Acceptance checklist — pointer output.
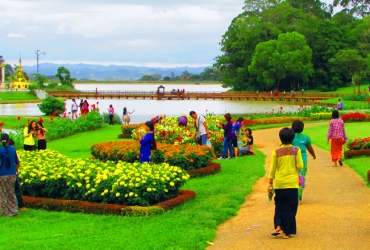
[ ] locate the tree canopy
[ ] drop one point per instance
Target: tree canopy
(265, 20)
(64, 76)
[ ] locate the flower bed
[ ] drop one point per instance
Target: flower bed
(358, 143)
(209, 170)
(356, 116)
(182, 155)
(49, 174)
(113, 209)
(356, 153)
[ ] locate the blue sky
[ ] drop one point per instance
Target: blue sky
(159, 33)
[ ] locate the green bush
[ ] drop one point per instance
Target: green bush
(127, 129)
(52, 105)
(356, 97)
(116, 118)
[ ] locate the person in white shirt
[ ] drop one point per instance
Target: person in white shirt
(74, 109)
(202, 132)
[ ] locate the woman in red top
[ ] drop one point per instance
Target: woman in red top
(337, 135)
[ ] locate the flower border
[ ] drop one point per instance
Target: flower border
(356, 153)
(110, 209)
(209, 170)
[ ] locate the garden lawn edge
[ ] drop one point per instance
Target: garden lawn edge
(111, 209)
(209, 170)
(125, 136)
(356, 153)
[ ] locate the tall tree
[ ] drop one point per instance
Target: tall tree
(64, 76)
(353, 63)
(274, 60)
(358, 7)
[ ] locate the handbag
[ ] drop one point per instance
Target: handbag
(300, 177)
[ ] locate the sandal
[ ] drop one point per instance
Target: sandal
(276, 233)
(340, 162)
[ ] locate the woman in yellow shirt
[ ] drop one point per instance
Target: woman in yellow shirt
(286, 161)
(29, 134)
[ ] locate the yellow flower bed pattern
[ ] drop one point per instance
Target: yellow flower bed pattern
(49, 174)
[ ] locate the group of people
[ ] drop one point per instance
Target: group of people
(34, 130)
(10, 189)
(288, 168)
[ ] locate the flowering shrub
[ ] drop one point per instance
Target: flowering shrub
(127, 129)
(356, 116)
(321, 116)
(49, 174)
(275, 120)
(185, 156)
(358, 143)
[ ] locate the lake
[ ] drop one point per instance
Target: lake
(147, 109)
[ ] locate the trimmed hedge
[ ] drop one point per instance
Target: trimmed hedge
(356, 153)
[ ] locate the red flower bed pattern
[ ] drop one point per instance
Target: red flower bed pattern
(356, 116)
(112, 209)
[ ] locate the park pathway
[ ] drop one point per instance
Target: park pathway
(335, 213)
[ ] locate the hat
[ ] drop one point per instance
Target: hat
(4, 137)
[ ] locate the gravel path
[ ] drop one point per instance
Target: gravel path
(335, 213)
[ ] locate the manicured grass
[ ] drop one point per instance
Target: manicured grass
(188, 226)
(78, 145)
(16, 96)
(353, 130)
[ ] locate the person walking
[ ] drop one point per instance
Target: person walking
(111, 113)
(146, 142)
(74, 109)
(286, 161)
(340, 105)
(229, 135)
(337, 137)
(202, 131)
(304, 143)
(9, 160)
(41, 131)
(30, 134)
(126, 116)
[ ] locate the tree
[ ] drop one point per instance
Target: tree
(52, 105)
(185, 75)
(352, 62)
(358, 7)
(166, 78)
(40, 79)
(274, 60)
(147, 78)
(157, 77)
(64, 76)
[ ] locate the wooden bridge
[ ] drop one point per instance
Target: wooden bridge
(153, 95)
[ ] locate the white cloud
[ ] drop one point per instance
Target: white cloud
(15, 35)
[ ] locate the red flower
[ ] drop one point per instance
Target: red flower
(28, 121)
(18, 118)
(1, 124)
(41, 120)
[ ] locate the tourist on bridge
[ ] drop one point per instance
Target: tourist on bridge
(304, 143)
(202, 132)
(337, 137)
(285, 162)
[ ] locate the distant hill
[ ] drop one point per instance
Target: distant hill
(108, 73)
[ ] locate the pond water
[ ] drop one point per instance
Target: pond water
(146, 109)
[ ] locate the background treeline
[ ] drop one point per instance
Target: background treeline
(263, 47)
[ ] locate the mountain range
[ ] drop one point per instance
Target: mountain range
(108, 73)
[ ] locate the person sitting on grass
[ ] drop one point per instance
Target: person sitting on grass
(247, 147)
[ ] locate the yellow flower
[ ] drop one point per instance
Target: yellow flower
(118, 194)
(105, 191)
(79, 184)
(131, 194)
(87, 186)
(172, 184)
(149, 189)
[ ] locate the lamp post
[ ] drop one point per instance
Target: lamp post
(38, 54)
(2, 70)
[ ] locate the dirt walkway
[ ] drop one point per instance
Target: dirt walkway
(335, 213)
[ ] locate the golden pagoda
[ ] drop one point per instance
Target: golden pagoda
(20, 80)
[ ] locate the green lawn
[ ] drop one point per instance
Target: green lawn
(188, 226)
(16, 96)
(353, 130)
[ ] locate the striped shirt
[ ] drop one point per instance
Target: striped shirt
(336, 129)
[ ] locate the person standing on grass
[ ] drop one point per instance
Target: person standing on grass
(17, 188)
(146, 142)
(41, 131)
(81, 102)
(337, 136)
(340, 105)
(74, 109)
(9, 160)
(202, 131)
(229, 135)
(111, 113)
(304, 143)
(286, 161)
(237, 143)
(30, 134)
